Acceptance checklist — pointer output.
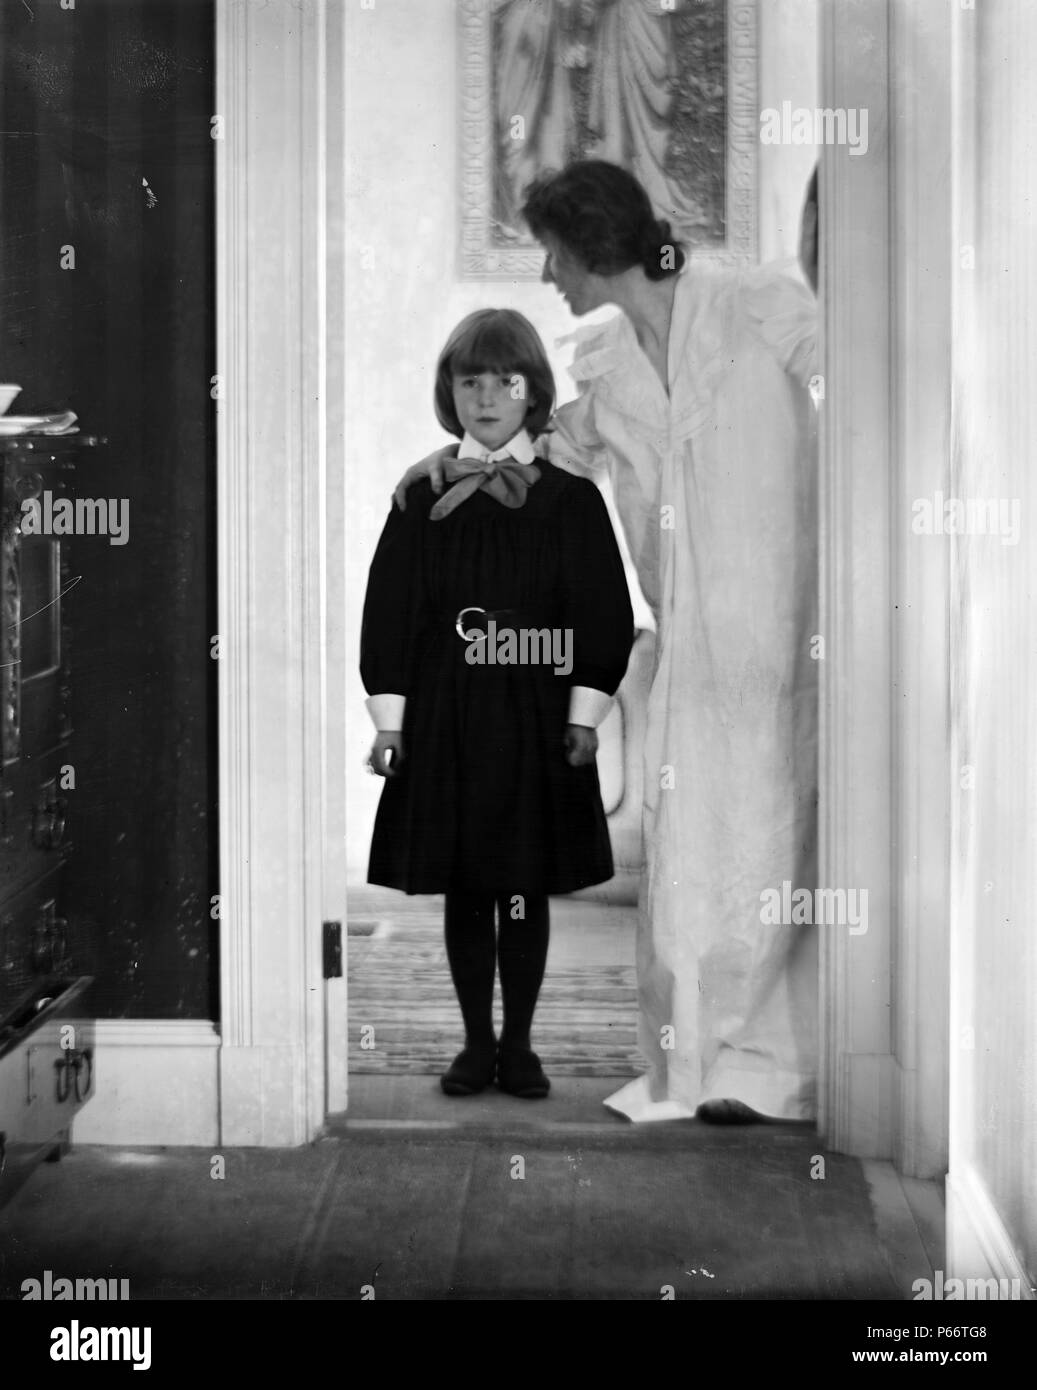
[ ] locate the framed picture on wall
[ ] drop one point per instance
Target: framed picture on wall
(666, 88)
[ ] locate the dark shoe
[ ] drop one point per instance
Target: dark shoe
(727, 1112)
(471, 1071)
(520, 1074)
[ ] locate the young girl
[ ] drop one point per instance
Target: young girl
(497, 626)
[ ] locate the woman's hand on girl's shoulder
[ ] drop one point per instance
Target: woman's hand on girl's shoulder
(430, 467)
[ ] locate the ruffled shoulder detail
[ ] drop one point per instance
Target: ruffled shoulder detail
(781, 310)
(598, 348)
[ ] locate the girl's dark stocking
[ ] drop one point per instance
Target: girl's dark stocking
(471, 952)
(522, 956)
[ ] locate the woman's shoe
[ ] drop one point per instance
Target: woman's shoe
(727, 1112)
(520, 1074)
(471, 1071)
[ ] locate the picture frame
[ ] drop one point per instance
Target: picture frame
(714, 179)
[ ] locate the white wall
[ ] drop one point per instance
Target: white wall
(992, 1197)
(787, 72)
(403, 293)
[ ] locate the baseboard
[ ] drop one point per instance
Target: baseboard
(920, 1126)
(856, 1110)
(978, 1243)
(156, 1083)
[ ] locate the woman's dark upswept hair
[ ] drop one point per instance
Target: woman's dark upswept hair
(602, 215)
(502, 341)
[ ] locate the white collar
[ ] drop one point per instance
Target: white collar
(519, 448)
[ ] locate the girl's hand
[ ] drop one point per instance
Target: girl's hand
(431, 468)
(386, 754)
(581, 744)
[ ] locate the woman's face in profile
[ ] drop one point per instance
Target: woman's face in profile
(580, 289)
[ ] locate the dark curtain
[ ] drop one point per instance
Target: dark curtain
(106, 148)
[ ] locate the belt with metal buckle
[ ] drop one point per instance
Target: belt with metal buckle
(503, 617)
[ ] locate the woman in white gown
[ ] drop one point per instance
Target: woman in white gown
(695, 399)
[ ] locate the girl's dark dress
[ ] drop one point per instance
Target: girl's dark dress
(484, 799)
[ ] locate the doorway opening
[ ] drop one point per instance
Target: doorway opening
(405, 1024)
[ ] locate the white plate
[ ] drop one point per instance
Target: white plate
(63, 423)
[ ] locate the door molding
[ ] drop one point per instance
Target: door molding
(885, 788)
(271, 538)
(922, 231)
(855, 749)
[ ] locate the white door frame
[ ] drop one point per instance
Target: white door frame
(280, 677)
(885, 784)
(281, 507)
(924, 256)
(855, 746)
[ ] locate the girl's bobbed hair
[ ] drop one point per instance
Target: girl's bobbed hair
(603, 216)
(502, 341)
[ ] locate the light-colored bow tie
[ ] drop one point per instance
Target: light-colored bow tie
(498, 474)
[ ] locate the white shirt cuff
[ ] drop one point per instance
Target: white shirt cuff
(387, 712)
(588, 706)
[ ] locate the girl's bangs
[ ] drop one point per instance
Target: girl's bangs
(488, 347)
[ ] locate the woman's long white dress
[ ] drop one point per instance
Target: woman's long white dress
(716, 489)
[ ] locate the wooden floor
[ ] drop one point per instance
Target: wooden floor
(400, 989)
(712, 1214)
(423, 1196)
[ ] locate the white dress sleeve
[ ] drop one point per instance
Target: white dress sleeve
(782, 312)
(572, 441)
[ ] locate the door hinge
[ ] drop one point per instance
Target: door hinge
(332, 950)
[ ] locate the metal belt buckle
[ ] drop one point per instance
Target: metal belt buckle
(475, 634)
